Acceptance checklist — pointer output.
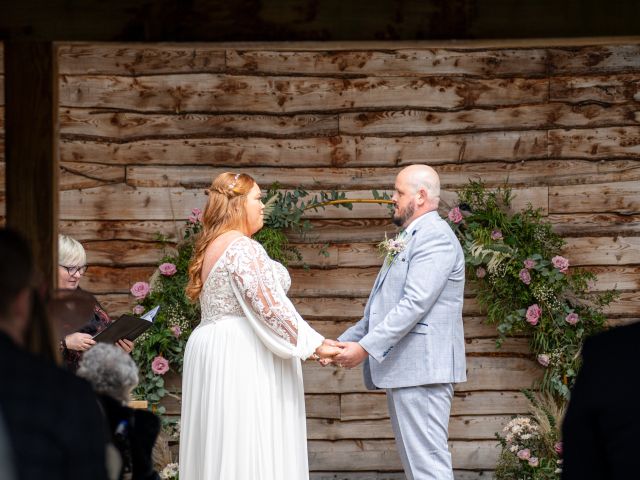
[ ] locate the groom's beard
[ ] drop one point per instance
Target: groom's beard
(401, 217)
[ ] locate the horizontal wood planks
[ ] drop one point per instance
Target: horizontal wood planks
(144, 129)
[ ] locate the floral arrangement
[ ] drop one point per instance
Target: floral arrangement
(531, 448)
(161, 347)
(525, 284)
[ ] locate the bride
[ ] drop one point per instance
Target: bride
(243, 415)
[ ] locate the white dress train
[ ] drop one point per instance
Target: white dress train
(243, 415)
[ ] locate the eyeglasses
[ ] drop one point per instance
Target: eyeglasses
(73, 270)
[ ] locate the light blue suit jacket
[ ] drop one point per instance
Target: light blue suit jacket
(412, 324)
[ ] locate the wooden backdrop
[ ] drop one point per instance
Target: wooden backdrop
(144, 128)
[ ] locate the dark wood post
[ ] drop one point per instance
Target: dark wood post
(31, 143)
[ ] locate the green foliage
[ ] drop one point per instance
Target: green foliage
(497, 242)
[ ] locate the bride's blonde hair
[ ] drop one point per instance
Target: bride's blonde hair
(225, 211)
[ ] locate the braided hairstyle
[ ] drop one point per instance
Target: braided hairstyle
(225, 211)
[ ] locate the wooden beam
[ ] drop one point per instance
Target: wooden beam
(32, 148)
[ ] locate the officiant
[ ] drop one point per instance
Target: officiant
(72, 265)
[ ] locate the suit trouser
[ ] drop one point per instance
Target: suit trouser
(420, 420)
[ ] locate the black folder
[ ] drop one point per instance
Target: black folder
(127, 326)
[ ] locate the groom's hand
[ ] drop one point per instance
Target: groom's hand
(352, 355)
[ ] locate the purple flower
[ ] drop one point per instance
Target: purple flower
(525, 276)
(196, 215)
(496, 234)
(572, 318)
(560, 263)
(167, 269)
(543, 359)
(524, 454)
(138, 309)
(160, 365)
(140, 290)
(480, 272)
(533, 461)
(533, 314)
(529, 263)
(455, 215)
(558, 448)
(176, 331)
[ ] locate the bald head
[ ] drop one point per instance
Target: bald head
(417, 191)
(423, 177)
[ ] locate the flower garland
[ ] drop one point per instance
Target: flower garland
(525, 284)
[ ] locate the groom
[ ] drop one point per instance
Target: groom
(411, 338)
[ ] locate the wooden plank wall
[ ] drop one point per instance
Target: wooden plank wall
(145, 128)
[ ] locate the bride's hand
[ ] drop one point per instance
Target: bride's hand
(327, 351)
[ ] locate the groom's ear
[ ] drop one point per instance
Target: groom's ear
(422, 196)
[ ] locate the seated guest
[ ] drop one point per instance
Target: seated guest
(52, 418)
(72, 265)
(600, 427)
(114, 375)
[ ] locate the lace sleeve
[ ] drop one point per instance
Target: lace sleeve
(271, 313)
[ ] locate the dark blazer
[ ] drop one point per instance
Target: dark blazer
(601, 427)
(53, 420)
(134, 434)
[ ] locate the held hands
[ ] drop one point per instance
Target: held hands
(351, 355)
(342, 354)
(327, 351)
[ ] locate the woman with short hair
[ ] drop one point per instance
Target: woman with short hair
(72, 265)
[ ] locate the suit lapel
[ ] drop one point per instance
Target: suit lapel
(387, 265)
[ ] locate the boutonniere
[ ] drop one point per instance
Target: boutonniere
(390, 247)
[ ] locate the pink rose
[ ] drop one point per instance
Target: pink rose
(525, 276)
(529, 263)
(455, 215)
(176, 331)
(533, 314)
(140, 290)
(572, 318)
(524, 454)
(196, 215)
(138, 309)
(480, 272)
(533, 461)
(496, 234)
(560, 263)
(167, 269)
(543, 359)
(160, 365)
(558, 448)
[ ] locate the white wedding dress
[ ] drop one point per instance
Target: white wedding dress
(243, 415)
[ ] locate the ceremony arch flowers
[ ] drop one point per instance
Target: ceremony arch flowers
(526, 287)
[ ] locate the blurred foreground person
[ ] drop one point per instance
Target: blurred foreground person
(600, 428)
(114, 375)
(52, 418)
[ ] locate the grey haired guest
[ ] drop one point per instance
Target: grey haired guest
(110, 371)
(114, 374)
